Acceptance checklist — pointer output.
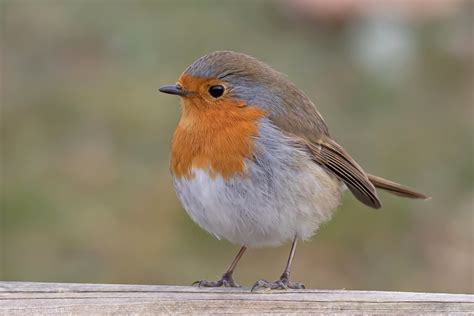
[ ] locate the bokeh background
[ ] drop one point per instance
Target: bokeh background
(86, 194)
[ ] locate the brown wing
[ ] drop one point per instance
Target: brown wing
(335, 159)
(304, 121)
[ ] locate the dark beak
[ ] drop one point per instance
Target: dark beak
(174, 89)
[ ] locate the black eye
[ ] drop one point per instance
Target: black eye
(216, 91)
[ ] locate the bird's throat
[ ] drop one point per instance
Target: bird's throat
(214, 138)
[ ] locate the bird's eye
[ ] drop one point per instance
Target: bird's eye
(216, 91)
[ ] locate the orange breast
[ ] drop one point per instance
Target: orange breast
(215, 137)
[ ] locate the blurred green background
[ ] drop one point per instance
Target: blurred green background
(86, 194)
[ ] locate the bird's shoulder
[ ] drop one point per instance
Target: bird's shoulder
(293, 112)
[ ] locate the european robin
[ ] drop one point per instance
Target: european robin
(253, 162)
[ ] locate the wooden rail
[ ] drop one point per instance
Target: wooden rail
(24, 298)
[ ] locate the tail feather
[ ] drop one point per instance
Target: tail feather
(395, 188)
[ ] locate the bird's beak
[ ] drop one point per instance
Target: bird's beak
(174, 89)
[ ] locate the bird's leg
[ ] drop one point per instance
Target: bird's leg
(284, 282)
(226, 280)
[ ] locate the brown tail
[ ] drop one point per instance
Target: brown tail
(395, 188)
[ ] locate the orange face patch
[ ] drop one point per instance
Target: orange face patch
(213, 133)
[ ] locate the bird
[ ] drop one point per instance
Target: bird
(253, 162)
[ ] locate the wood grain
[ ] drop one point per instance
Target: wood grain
(21, 298)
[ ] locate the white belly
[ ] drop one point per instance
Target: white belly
(262, 209)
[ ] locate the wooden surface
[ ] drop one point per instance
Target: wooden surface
(57, 298)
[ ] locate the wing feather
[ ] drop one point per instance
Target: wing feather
(335, 159)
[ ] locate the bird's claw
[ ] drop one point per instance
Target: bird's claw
(281, 284)
(225, 281)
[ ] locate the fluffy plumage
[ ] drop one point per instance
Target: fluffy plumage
(283, 194)
(257, 166)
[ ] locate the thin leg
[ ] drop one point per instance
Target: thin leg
(286, 273)
(284, 282)
(239, 255)
(226, 280)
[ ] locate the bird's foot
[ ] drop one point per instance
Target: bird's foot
(225, 281)
(282, 284)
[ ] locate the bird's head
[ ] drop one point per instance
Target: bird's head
(229, 80)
